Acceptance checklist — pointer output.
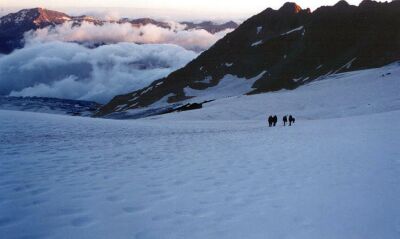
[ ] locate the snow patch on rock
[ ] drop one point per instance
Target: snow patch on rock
(228, 86)
(257, 43)
(259, 29)
(293, 30)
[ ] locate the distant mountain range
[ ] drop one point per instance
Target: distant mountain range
(14, 25)
(49, 105)
(278, 49)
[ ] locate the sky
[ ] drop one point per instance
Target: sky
(207, 8)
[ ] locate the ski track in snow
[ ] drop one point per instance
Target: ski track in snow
(72, 177)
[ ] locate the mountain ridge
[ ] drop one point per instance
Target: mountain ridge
(14, 25)
(292, 45)
(49, 105)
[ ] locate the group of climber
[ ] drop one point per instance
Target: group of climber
(272, 120)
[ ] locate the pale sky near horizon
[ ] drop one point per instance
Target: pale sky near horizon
(208, 7)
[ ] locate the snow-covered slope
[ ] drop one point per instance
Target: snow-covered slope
(73, 177)
(338, 95)
(218, 172)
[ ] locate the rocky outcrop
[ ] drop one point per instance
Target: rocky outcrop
(210, 26)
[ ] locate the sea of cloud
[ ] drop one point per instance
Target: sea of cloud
(111, 33)
(72, 71)
(62, 62)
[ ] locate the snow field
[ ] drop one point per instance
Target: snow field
(218, 172)
(334, 96)
(66, 177)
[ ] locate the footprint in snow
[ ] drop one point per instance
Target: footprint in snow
(7, 221)
(39, 191)
(146, 235)
(113, 198)
(134, 209)
(81, 221)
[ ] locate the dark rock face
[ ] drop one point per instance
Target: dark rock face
(294, 46)
(290, 8)
(187, 107)
(14, 25)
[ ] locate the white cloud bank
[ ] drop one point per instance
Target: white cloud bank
(56, 62)
(111, 33)
(72, 71)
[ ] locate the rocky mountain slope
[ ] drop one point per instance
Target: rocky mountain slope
(279, 49)
(14, 25)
